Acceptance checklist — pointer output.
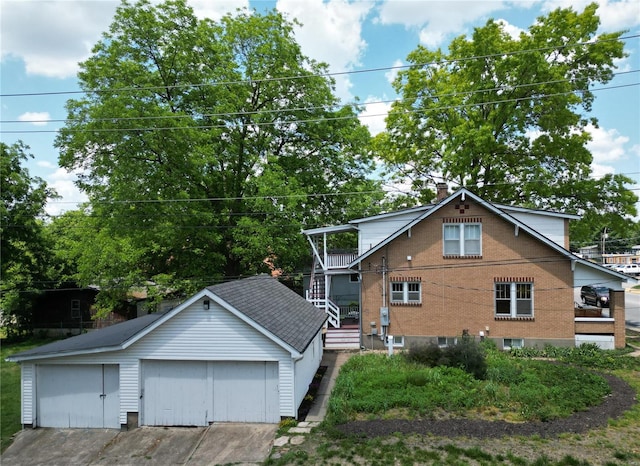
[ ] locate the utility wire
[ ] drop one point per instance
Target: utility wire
(330, 75)
(228, 125)
(300, 109)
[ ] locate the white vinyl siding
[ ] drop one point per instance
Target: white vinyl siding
(28, 381)
(194, 335)
(370, 234)
(462, 239)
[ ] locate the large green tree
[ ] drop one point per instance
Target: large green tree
(25, 254)
(206, 146)
(508, 117)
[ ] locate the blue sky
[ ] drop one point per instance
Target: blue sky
(41, 43)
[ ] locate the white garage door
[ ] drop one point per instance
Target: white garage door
(175, 393)
(78, 395)
(195, 393)
(246, 392)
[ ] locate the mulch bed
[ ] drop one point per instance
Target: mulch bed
(621, 399)
(310, 397)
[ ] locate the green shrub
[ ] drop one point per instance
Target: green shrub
(468, 355)
(428, 355)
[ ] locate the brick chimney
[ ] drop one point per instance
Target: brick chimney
(442, 191)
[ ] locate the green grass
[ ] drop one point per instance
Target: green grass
(10, 389)
(375, 386)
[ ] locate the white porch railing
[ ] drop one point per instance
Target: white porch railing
(340, 260)
(328, 306)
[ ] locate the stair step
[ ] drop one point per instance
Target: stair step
(342, 339)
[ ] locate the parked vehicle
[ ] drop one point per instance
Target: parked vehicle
(629, 269)
(595, 295)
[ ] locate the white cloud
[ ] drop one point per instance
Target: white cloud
(331, 33)
(374, 114)
(513, 31)
(392, 74)
(52, 37)
(606, 145)
(36, 118)
(438, 19)
(63, 182)
(216, 9)
(614, 15)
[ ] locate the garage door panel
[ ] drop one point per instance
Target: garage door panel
(245, 392)
(73, 396)
(175, 393)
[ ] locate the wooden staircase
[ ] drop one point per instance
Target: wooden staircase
(345, 337)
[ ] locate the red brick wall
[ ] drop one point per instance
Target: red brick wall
(457, 293)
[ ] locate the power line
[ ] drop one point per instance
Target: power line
(227, 125)
(330, 75)
(115, 119)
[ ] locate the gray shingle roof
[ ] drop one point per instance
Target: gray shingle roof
(274, 307)
(108, 337)
(262, 299)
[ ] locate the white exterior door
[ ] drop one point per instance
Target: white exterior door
(175, 393)
(78, 395)
(246, 392)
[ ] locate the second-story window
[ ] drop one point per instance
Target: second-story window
(462, 239)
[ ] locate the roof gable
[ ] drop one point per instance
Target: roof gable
(463, 193)
(274, 307)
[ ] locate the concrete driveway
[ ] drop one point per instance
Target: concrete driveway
(217, 444)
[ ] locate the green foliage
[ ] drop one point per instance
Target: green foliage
(375, 384)
(466, 354)
(201, 157)
(24, 249)
(506, 116)
(587, 355)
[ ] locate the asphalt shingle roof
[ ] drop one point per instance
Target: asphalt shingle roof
(112, 336)
(274, 307)
(262, 299)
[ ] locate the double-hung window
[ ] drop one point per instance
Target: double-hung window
(406, 292)
(75, 308)
(514, 299)
(462, 239)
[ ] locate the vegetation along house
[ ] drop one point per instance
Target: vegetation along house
(243, 351)
(462, 266)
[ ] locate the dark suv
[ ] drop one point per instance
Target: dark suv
(595, 295)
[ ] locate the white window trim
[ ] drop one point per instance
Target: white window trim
(461, 239)
(398, 341)
(513, 300)
(448, 341)
(405, 292)
(511, 341)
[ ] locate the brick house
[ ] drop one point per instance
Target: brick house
(466, 266)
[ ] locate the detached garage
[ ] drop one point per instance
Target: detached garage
(242, 351)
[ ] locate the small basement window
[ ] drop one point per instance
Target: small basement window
(443, 342)
(510, 343)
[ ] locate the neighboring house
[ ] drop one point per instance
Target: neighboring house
(242, 351)
(466, 266)
(69, 310)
